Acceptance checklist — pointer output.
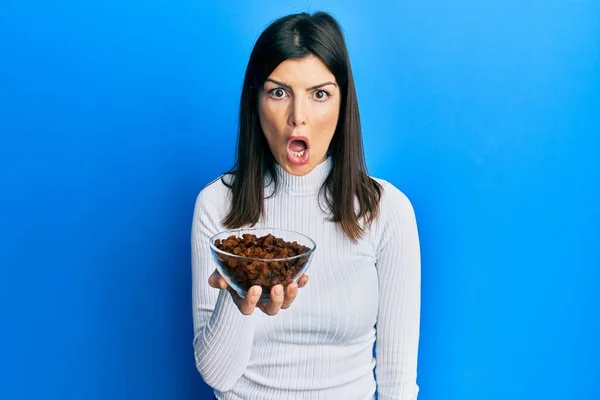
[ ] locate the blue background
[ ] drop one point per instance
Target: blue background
(114, 114)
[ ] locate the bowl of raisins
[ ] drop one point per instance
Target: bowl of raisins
(261, 256)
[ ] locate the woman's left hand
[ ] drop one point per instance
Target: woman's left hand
(283, 301)
(280, 299)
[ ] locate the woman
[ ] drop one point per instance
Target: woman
(300, 166)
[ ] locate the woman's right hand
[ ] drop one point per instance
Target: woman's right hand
(279, 300)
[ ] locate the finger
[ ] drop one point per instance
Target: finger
(274, 305)
(302, 281)
(214, 279)
(248, 304)
(223, 283)
(217, 281)
(290, 295)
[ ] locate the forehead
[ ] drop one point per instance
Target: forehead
(302, 72)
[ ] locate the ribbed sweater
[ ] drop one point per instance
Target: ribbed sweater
(352, 330)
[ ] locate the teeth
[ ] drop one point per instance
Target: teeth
(298, 153)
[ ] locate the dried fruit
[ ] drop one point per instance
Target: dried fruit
(257, 268)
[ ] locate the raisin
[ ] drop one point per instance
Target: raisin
(256, 269)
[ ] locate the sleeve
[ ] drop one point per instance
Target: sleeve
(223, 336)
(399, 274)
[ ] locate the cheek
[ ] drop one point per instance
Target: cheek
(270, 121)
(327, 121)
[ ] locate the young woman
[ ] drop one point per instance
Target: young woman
(300, 166)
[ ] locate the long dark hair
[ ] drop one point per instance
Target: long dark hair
(348, 184)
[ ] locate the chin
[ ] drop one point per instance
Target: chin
(297, 170)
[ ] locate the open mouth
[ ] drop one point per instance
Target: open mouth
(298, 145)
(298, 150)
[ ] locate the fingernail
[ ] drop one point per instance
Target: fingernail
(278, 290)
(254, 291)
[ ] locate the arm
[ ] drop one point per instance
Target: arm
(399, 272)
(223, 336)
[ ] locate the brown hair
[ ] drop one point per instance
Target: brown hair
(348, 184)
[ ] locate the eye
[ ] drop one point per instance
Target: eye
(277, 93)
(321, 95)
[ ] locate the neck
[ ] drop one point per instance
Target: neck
(309, 183)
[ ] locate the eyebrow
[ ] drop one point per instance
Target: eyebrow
(285, 85)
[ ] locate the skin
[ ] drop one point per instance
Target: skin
(300, 98)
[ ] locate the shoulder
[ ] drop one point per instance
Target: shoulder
(396, 220)
(215, 196)
(393, 201)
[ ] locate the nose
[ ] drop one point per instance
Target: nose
(297, 113)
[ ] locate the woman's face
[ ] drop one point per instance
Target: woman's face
(299, 105)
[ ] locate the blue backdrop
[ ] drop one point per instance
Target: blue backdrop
(114, 114)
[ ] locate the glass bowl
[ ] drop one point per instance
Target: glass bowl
(243, 266)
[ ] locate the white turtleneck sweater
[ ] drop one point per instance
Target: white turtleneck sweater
(322, 347)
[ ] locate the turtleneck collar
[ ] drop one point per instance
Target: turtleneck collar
(309, 183)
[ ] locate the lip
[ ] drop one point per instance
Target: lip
(293, 159)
